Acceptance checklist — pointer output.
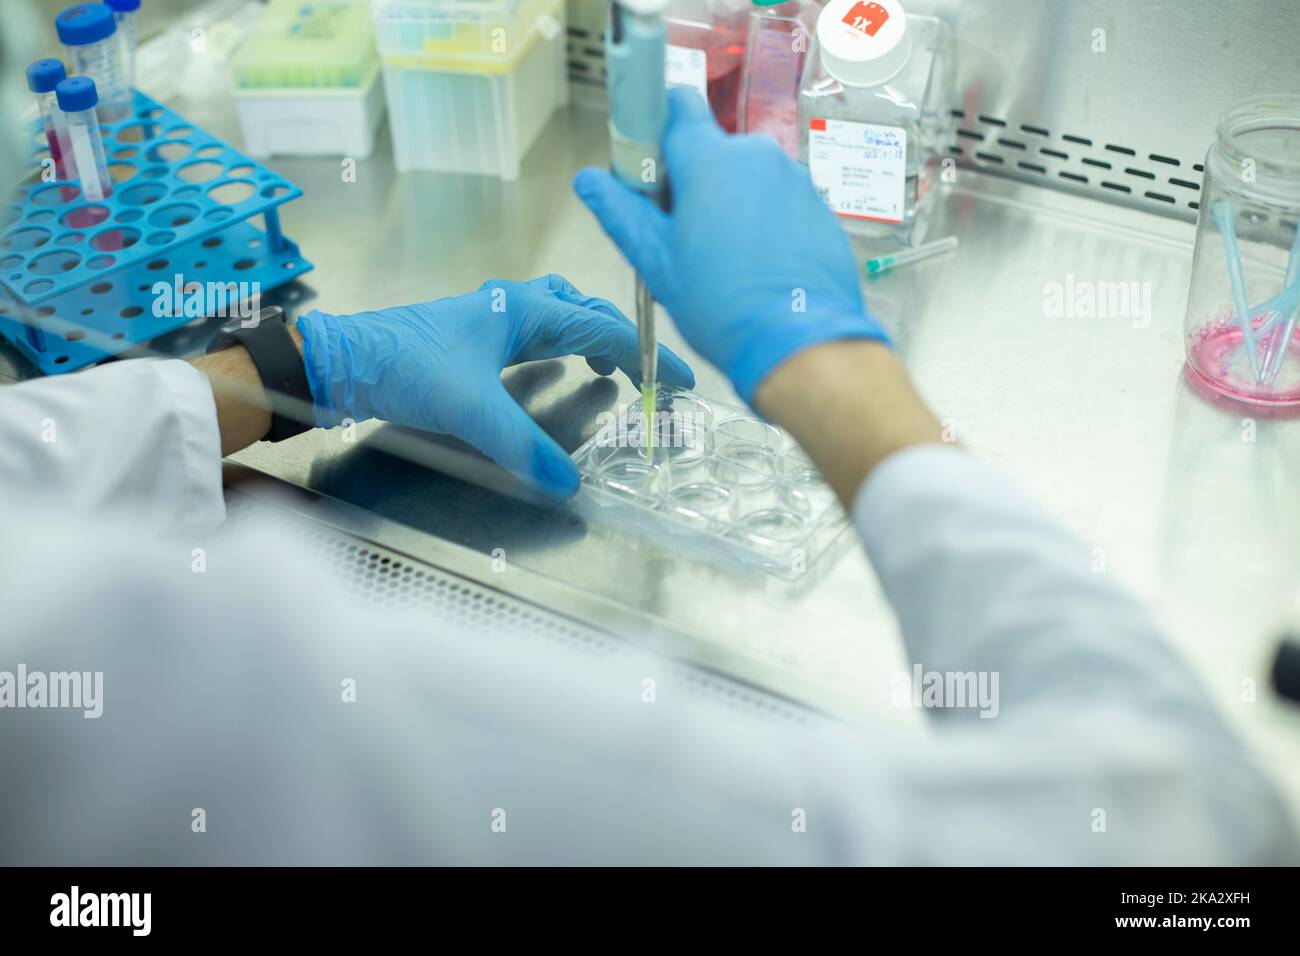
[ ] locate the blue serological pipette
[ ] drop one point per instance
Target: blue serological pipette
(1278, 349)
(638, 112)
(1224, 215)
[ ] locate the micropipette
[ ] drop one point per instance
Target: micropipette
(638, 113)
(885, 263)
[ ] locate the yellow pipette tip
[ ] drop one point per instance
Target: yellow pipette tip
(647, 420)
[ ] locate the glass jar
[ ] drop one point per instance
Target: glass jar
(874, 114)
(1243, 306)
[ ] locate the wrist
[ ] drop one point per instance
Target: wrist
(777, 343)
(258, 381)
(243, 408)
(850, 405)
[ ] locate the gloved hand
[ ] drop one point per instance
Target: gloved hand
(437, 366)
(751, 264)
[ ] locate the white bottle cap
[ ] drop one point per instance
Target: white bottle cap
(863, 42)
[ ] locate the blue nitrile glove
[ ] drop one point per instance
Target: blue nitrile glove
(748, 245)
(437, 366)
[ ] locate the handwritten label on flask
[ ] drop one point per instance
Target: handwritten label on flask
(859, 169)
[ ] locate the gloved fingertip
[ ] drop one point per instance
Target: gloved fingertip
(673, 371)
(589, 183)
(685, 103)
(555, 475)
(601, 366)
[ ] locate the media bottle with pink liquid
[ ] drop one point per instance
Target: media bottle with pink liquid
(706, 50)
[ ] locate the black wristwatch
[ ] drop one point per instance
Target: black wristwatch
(279, 365)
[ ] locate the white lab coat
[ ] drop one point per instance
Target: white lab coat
(222, 692)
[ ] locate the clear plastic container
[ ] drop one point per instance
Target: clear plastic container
(706, 50)
(89, 31)
(470, 85)
(1247, 258)
(875, 114)
(722, 483)
(780, 38)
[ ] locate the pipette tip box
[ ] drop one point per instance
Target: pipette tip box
(306, 81)
(470, 86)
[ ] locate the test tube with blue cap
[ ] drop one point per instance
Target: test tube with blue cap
(43, 77)
(638, 114)
(78, 98)
(124, 16)
(89, 32)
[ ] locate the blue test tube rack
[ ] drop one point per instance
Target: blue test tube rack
(81, 281)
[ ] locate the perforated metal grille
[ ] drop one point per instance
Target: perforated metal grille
(1076, 162)
(383, 579)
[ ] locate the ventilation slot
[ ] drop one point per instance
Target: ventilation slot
(1063, 161)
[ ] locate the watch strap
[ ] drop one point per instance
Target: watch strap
(279, 365)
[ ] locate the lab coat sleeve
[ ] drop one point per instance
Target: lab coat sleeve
(252, 710)
(137, 436)
(248, 710)
(1101, 745)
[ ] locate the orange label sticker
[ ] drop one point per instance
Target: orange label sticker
(867, 17)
